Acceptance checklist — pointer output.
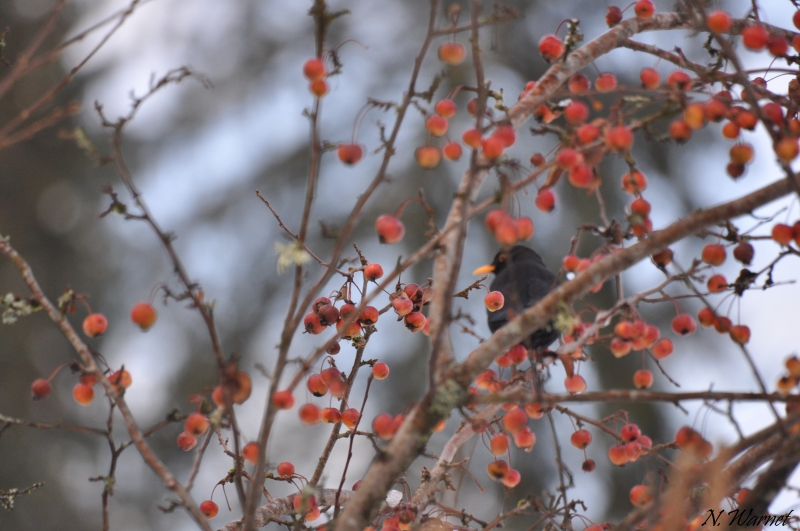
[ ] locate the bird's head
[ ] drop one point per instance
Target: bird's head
(518, 253)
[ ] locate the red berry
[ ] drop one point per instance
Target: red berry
(40, 389)
(525, 228)
(634, 183)
(740, 334)
(497, 470)
(318, 88)
(619, 138)
(717, 283)
(446, 108)
(330, 415)
(428, 157)
(368, 316)
(714, 254)
(518, 354)
(514, 420)
(644, 8)
(680, 131)
(578, 84)
(436, 125)
(492, 148)
(350, 417)
(650, 78)
(512, 477)
(630, 432)
(209, 509)
(83, 394)
(613, 16)
(493, 301)
(568, 158)
(314, 69)
(617, 455)
(506, 135)
(373, 272)
(186, 442)
(524, 439)
(384, 426)
(587, 133)
(283, 399)
(499, 444)
(121, 379)
(605, 82)
(575, 384)
(452, 151)
(95, 324)
(350, 153)
(551, 48)
(581, 439)
(545, 200)
(581, 176)
(782, 233)
(642, 379)
(640, 206)
(316, 385)
(452, 53)
(684, 324)
(415, 321)
(741, 153)
(380, 370)
(143, 315)
(196, 425)
(250, 452)
(309, 414)
(402, 306)
(679, 80)
(718, 21)
(285, 469)
(576, 112)
(312, 324)
(472, 138)
(389, 228)
(755, 37)
(641, 496)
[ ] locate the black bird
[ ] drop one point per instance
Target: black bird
(523, 279)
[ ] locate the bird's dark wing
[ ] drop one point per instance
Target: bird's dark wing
(522, 284)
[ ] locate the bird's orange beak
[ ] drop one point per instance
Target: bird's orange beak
(483, 270)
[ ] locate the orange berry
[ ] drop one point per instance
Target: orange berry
(452, 151)
(83, 394)
(143, 315)
(196, 425)
(250, 452)
(605, 82)
(428, 157)
(314, 69)
(718, 21)
(121, 379)
(380, 370)
(40, 389)
(452, 53)
(309, 414)
(650, 78)
(95, 324)
(551, 48)
(186, 442)
(283, 399)
(285, 469)
(209, 509)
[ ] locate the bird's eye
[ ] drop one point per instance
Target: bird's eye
(501, 258)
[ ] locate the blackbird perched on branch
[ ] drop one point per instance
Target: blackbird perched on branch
(523, 279)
